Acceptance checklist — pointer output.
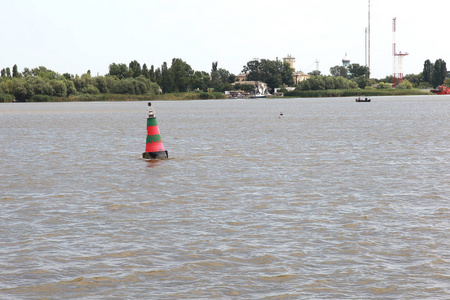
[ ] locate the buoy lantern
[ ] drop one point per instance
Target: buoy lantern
(154, 148)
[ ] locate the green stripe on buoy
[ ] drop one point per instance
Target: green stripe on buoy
(152, 122)
(153, 138)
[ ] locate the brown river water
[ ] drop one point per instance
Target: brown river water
(333, 200)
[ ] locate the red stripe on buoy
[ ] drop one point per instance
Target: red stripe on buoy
(154, 147)
(152, 130)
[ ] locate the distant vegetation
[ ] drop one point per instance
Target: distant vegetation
(353, 92)
(122, 82)
(180, 81)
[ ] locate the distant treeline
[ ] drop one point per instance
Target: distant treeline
(42, 84)
(353, 92)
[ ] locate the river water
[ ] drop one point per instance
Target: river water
(333, 200)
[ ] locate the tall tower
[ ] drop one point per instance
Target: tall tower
(368, 40)
(397, 76)
(345, 61)
(290, 60)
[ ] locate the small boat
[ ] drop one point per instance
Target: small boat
(441, 90)
(362, 100)
(258, 96)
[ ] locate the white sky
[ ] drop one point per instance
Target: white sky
(76, 36)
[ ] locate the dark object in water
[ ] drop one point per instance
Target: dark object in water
(362, 100)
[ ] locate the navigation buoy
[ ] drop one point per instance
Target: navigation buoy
(154, 148)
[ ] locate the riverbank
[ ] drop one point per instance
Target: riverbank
(215, 95)
(356, 92)
(118, 97)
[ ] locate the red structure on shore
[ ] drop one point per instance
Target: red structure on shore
(441, 90)
(398, 59)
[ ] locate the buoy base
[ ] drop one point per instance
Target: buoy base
(156, 155)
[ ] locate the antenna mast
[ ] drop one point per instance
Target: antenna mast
(397, 58)
(365, 51)
(368, 41)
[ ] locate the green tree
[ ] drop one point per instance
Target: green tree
(253, 70)
(59, 88)
(141, 86)
(317, 82)
(26, 72)
(182, 75)
(145, 71)
(341, 83)
(315, 73)
(39, 86)
(404, 85)
(304, 85)
(67, 76)
(137, 86)
(6, 86)
(357, 70)
(220, 79)
(201, 81)
(119, 70)
(244, 87)
(384, 86)
(427, 71)
(286, 74)
(90, 89)
(439, 72)
(214, 73)
(224, 80)
(70, 87)
(321, 82)
(151, 74)
(15, 72)
(224, 76)
(270, 72)
(274, 73)
(101, 84)
(82, 82)
(330, 82)
(157, 76)
(123, 86)
(167, 84)
(19, 89)
(45, 73)
(388, 78)
(361, 81)
(135, 69)
(226, 87)
(339, 71)
(415, 80)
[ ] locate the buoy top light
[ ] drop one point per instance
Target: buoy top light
(151, 111)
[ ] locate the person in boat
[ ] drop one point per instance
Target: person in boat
(151, 111)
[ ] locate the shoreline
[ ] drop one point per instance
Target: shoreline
(218, 96)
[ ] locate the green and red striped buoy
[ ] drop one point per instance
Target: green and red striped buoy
(154, 148)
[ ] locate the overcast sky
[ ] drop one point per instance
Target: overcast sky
(76, 36)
